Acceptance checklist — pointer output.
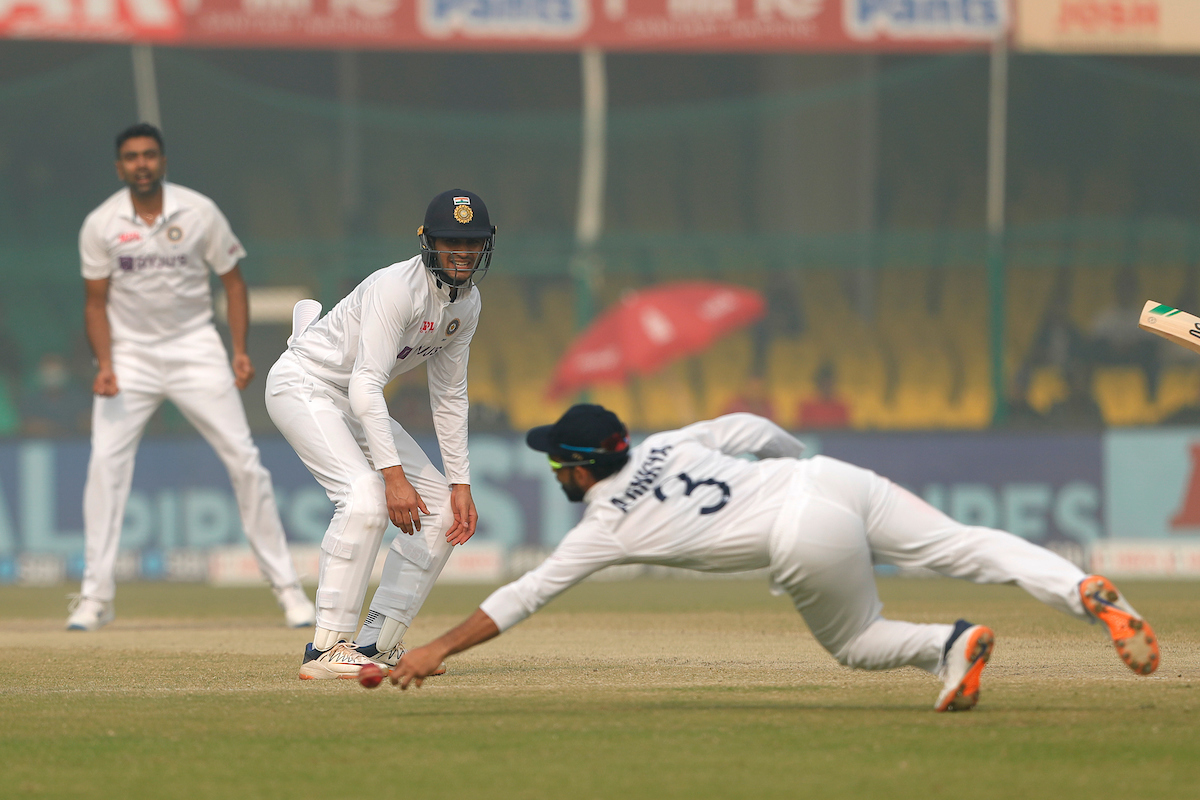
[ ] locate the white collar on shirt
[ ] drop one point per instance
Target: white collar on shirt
(173, 203)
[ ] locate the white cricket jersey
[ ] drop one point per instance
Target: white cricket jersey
(396, 319)
(683, 500)
(158, 273)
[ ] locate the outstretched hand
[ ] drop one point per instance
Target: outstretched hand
(415, 666)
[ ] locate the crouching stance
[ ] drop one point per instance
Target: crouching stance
(325, 394)
(682, 498)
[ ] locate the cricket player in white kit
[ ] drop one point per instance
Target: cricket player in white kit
(146, 253)
(683, 499)
(325, 394)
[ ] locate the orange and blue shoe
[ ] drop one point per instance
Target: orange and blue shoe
(1132, 636)
(966, 654)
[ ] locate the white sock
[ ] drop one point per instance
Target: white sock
(369, 634)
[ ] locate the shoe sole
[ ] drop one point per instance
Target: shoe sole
(1132, 636)
(966, 694)
(329, 675)
(89, 628)
(313, 671)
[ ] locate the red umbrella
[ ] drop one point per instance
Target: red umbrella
(647, 330)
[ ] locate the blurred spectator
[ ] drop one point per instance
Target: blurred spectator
(1058, 344)
(1115, 339)
(55, 405)
(753, 399)
(1079, 409)
(826, 409)
(485, 418)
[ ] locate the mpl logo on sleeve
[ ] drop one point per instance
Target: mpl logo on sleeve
(499, 19)
(926, 19)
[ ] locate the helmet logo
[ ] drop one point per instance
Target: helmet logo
(462, 210)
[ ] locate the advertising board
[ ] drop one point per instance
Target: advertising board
(711, 25)
(1108, 26)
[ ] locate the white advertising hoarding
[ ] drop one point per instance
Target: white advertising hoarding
(1108, 26)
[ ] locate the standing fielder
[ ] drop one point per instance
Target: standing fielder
(325, 394)
(683, 499)
(146, 252)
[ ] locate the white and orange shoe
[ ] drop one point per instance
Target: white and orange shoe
(966, 654)
(342, 661)
(1132, 636)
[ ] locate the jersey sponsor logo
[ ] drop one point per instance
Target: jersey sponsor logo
(452, 328)
(427, 326)
(129, 236)
(174, 233)
(422, 352)
(933, 19)
(151, 261)
(643, 480)
(691, 486)
(481, 19)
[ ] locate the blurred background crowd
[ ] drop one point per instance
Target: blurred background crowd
(848, 188)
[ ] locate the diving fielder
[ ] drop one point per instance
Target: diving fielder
(325, 394)
(146, 253)
(683, 499)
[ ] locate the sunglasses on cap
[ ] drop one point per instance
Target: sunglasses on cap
(557, 465)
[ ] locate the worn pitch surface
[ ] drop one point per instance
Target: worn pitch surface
(626, 689)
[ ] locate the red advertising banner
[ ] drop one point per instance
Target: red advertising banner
(708, 25)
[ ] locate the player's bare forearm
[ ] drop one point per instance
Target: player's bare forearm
(465, 515)
(419, 663)
(238, 309)
(239, 323)
(99, 334)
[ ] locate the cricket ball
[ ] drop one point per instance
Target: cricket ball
(370, 675)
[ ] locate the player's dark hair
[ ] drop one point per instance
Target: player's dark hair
(141, 129)
(611, 465)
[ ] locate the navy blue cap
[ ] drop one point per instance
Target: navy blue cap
(584, 433)
(457, 214)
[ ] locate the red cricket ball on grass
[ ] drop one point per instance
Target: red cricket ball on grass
(370, 675)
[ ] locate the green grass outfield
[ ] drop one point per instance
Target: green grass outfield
(650, 689)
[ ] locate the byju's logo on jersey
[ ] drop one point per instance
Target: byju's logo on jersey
(494, 19)
(926, 19)
(152, 261)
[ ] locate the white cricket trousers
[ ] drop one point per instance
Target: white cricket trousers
(316, 419)
(193, 372)
(841, 519)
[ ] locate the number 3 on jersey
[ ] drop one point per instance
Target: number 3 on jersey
(691, 486)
